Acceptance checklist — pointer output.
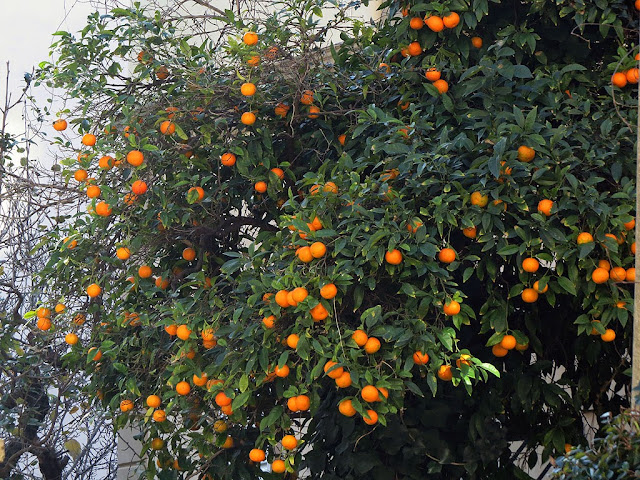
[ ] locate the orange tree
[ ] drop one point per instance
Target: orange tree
(387, 257)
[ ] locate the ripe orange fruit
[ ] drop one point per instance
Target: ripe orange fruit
(126, 405)
(94, 356)
(183, 332)
(139, 187)
(314, 111)
(123, 253)
(307, 97)
(281, 110)
(536, 287)
(631, 275)
(470, 232)
(335, 373)
(370, 394)
(257, 455)
(330, 187)
(619, 79)
(189, 254)
(80, 175)
(319, 313)
(360, 337)
(253, 61)
(60, 125)
(633, 248)
(630, 225)
(416, 23)
(447, 255)
(248, 89)
(600, 275)
(608, 336)
(545, 206)
(248, 118)
(432, 74)
(282, 372)
(183, 388)
(414, 49)
(43, 323)
(328, 291)
(303, 403)
(372, 345)
(304, 254)
(604, 264)
(106, 162)
(346, 408)
(393, 257)
(529, 295)
(371, 417)
(199, 381)
(452, 20)
(318, 249)
(617, 274)
(103, 209)
(250, 38)
(162, 72)
(200, 191)
(260, 187)
(144, 271)
(508, 342)
(154, 401)
(269, 322)
(441, 85)
(344, 380)
(499, 351)
(584, 237)
(420, 358)
(278, 172)
(530, 265)
(281, 298)
(299, 294)
(79, 319)
(526, 154)
(135, 158)
(167, 127)
(633, 75)
(435, 23)
(222, 400)
(445, 373)
(451, 308)
(93, 191)
(476, 42)
(228, 159)
(278, 466)
(479, 199)
(292, 404)
(228, 443)
(43, 312)
(159, 416)
(521, 347)
(292, 341)
(94, 290)
(289, 442)
(89, 140)
(60, 307)
(464, 359)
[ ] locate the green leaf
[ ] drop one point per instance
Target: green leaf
(567, 285)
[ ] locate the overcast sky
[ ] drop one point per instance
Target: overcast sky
(26, 28)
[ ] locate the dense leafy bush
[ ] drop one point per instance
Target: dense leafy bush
(438, 239)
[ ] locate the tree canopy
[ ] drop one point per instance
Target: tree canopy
(385, 257)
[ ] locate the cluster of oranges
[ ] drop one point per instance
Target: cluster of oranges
(507, 343)
(631, 76)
